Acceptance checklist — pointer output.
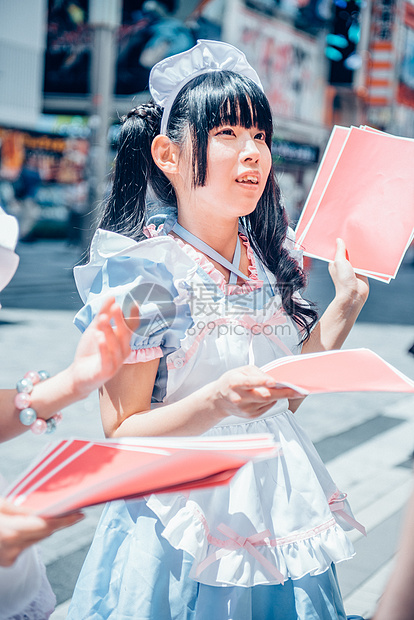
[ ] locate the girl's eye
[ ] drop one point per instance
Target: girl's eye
(260, 136)
(226, 132)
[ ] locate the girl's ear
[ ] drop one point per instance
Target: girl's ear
(165, 154)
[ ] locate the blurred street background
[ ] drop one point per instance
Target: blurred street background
(69, 69)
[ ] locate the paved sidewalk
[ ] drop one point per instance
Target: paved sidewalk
(366, 440)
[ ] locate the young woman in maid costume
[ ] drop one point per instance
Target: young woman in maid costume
(25, 593)
(217, 288)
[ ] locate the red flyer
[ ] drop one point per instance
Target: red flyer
(363, 193)
(75, 473)
(345, 370)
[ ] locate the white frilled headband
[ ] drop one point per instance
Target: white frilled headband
(168, 76)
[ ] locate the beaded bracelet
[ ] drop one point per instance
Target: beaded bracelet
(22, 401)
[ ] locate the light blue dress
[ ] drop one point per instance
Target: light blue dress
(264, 546)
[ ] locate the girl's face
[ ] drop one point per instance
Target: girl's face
(238, 165)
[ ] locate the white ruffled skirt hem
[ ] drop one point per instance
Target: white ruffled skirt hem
(226, 562)
(277, 519)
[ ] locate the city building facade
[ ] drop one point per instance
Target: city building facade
(322, 62)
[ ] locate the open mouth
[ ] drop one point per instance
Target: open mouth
(249, 180)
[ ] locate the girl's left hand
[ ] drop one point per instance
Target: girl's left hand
(349, 286)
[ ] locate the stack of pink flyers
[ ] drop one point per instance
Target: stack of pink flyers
(346, 370)
(363, 193)
(74, 473)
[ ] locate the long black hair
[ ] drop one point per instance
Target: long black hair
(208, 101)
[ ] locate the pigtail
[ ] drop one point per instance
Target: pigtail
(124, 211)
(267, 227)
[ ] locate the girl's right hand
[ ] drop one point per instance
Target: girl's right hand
(247, 392)
(349, 286)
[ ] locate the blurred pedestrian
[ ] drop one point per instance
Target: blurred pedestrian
(25, 191)
(76, 201)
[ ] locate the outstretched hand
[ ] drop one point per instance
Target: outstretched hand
(348, 284)
(19, 530)
(102, 348)
(248, 392)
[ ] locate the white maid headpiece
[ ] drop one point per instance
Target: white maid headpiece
(9, 232)
(168, 76)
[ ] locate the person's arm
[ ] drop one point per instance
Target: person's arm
(397, 601)
(351, 292)
(125, 402)
(332, 329)
(99, 355)
(19, 530)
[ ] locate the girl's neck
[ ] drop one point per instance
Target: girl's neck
(219, 235)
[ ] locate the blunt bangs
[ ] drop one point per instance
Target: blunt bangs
(212, 100)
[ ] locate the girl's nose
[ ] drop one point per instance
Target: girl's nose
(250, 151)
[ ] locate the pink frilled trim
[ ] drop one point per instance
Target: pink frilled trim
(265, 560)
(151, 231)
(217, 277)
(143, 355)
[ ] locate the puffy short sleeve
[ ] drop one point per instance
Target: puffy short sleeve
(150, 274)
